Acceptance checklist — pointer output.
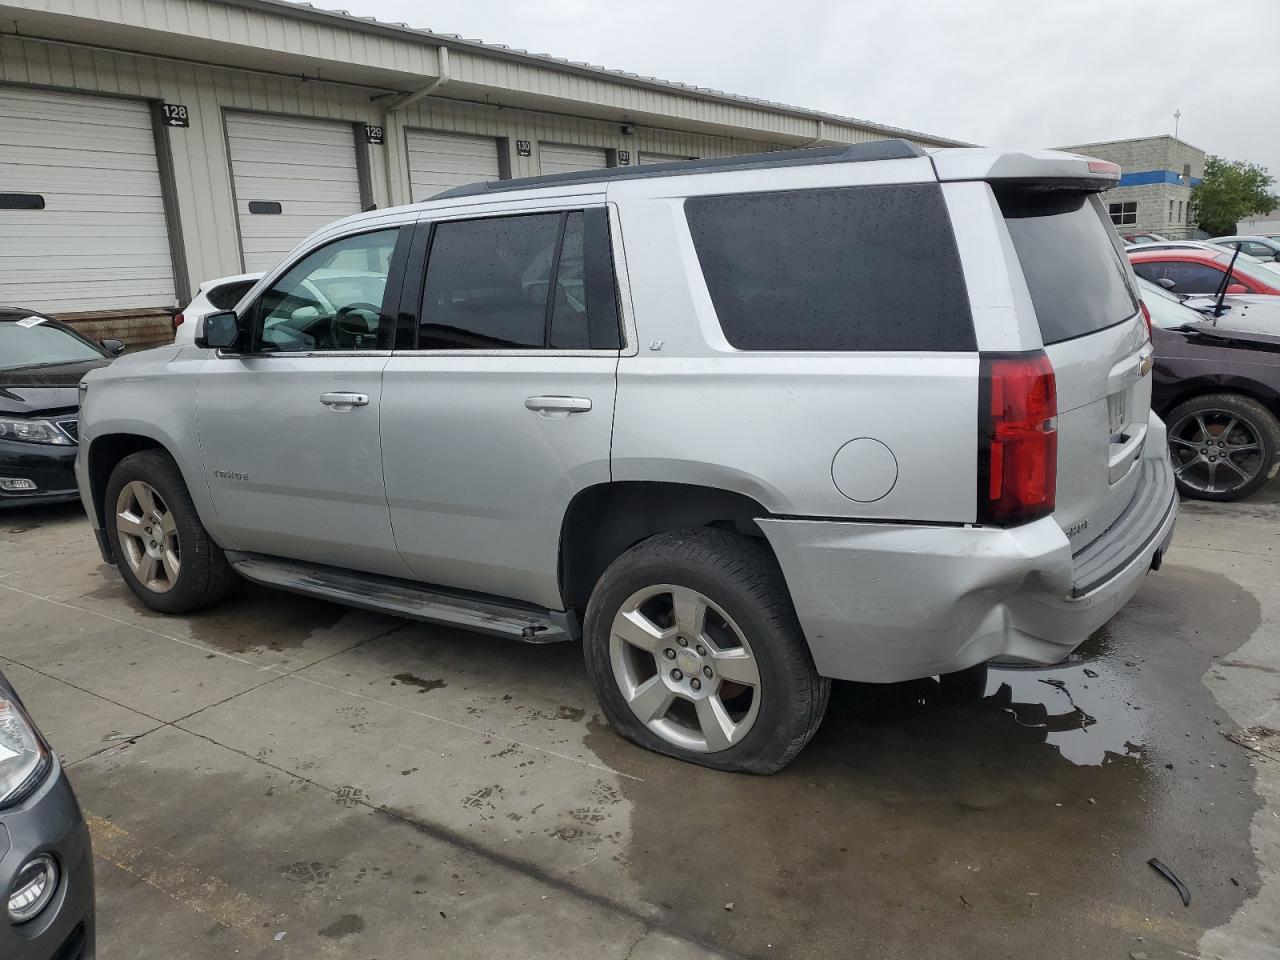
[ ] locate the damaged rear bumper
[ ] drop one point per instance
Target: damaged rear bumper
(886, 602)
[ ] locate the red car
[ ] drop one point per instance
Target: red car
(1199, 272)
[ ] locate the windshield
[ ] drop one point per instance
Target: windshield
(25, 343)
(1167, 310)
(1254, 271)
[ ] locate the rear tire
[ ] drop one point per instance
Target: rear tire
(163, 551)
(721, 669)
(1239, 432)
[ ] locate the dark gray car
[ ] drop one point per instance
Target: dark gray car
(46, 864)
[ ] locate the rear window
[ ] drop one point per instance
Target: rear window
(847, 268)
(1075, 273)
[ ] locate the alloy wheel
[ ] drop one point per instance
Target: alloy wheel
(148, 536)
(685, 668)
(1215, 451)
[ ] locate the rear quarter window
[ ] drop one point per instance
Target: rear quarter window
(840, 269)
(1074, 270)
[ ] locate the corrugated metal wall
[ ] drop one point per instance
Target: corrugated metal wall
(201, 194)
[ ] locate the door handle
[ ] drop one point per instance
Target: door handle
(344, 401)
(553, 405)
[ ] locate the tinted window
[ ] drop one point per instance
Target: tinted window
(1077, 279)
(1193, 277)
(487, 283)
(331, 299)
(521, 282)
(849, 268)
(569, 303)
(228, 295)
(1149, 270)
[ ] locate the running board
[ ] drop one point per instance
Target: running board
(403, 598)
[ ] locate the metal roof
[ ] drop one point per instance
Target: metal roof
(452, 40)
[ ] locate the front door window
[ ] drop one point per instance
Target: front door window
(331, 299)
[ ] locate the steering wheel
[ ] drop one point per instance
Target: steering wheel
(344, 330)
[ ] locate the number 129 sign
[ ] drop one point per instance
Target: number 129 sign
(175, 115)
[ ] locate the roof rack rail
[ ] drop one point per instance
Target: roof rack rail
(855, 153)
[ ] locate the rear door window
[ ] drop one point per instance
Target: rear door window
(840, 269)
(1074, 271)
(527, 282)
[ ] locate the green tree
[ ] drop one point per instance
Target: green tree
(1230, 191)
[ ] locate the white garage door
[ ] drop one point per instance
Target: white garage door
(292, 176)
(100, 241)
(562, 158)
(438, 161)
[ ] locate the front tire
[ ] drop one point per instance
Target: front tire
(163, 551)
(1223, 446)
(695, 651)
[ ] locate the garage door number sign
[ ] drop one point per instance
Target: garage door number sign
(372, 133)
(175, 115)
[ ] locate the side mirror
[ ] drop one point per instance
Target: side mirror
(218, 331)
(1166, 283)
(113, 347)
(1237, 288)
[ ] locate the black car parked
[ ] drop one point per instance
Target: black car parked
(41, 363)
(46, 863)
(1217, 386)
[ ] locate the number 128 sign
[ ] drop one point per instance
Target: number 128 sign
(175, 115)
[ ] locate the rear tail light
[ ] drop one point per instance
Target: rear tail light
(1146, 317)
(178, 320)
(1017, 438)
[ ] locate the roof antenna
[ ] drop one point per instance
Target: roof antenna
(1222, 287)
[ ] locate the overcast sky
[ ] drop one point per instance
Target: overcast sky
(1000, 72)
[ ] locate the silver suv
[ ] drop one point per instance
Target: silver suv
(741, 425)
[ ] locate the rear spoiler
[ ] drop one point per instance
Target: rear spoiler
(1038, 169)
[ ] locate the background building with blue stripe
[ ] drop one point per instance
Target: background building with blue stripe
(1154, 192)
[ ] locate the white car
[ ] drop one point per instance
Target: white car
(213, 296)
(1263, 247)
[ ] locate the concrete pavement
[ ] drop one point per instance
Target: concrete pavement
(374, 788)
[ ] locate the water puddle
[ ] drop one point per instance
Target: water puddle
(1088, 710)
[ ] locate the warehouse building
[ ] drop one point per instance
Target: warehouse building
(1154, 193)
(150, 145)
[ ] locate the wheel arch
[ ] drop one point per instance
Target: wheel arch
(106, 450)
(605, 520)
(1194, 387)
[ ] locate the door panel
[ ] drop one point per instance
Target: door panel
(293, 476)
(289, 432)
(477, 482)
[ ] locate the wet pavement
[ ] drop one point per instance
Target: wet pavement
(373, 788)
